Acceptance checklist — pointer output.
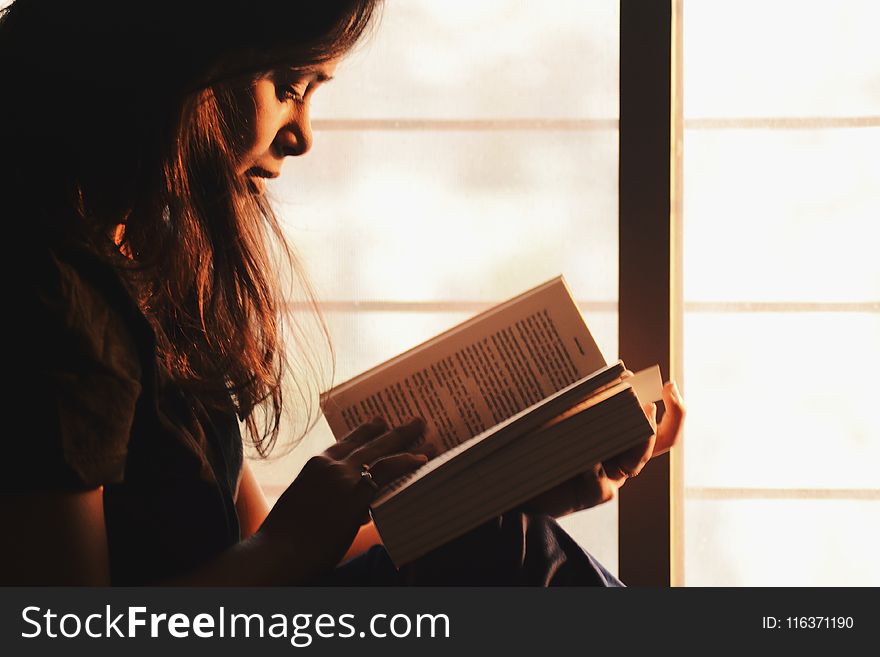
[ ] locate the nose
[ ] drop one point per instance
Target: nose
(296, 137)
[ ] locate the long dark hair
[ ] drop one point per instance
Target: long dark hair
(120, 113)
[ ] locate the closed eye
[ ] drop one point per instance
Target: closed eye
(294, 92)
(295, 84)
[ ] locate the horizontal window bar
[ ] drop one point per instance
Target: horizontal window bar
(465, 124)
(451, 306)
(783, 123)
(432, 306)
(579, 125)
(698, 493)
(781, 307)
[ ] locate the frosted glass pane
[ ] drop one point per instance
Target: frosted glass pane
(782, 400)
(782, 542)
(488, 59)
(454, 215)
(781, 58)
(782, 215)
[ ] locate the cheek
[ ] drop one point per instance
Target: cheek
(264, 128)
(260, 125)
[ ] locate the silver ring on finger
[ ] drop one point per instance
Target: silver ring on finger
(367, 476)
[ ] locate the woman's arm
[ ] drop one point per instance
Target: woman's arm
(54, 537)
(252, 508)
(61, 538)
(250, 503)
(316, 519)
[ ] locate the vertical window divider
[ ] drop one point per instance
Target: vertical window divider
(648, 285)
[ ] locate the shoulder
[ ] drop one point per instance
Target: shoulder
(80, 310)
(77, 370)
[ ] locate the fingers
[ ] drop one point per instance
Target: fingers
(629, 464)
(666, 435)
(396, 440)
(597, 486)
(363, 434)
(672, 425)
(389, 468)
(673, 402)
(382, 450)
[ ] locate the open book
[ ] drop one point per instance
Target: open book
(517, 400)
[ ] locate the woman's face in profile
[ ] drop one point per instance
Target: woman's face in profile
(277, 122)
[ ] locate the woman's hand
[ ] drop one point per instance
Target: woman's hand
(601, 483)
(317, 517)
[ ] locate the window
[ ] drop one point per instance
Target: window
(781, 292)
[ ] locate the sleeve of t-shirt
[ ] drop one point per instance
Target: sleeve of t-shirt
(77, 374)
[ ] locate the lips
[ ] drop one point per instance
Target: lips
(257, 177)
(257, 172)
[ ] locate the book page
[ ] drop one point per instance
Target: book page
(478, 373)
(582, 395)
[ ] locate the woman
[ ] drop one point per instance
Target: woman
(137, 140)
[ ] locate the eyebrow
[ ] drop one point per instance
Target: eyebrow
(319, 76)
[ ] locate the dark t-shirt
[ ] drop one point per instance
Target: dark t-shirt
(96, 412)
